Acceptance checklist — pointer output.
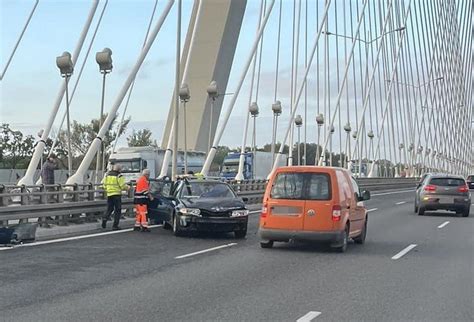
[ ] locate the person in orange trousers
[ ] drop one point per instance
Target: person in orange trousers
(141, 198)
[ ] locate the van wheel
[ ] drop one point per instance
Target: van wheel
(176, 229)
(343, 247)
(421, 211)
(361, 238)
(266, 244)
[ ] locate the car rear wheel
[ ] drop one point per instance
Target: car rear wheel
(266, 243)
(361, 238)
(466, 212)
(176, 227)
(421, 211)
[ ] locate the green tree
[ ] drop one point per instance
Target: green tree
(16, 148)
(141, 138)
(82, 136)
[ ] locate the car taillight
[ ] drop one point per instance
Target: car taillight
(463, 188)
(264, 211)
(336, 213)
(430, 187)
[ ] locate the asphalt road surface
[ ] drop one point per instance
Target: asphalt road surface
(411, 268)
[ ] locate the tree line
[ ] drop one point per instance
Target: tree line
(16, 149)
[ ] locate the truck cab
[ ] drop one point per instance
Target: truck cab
(230, 166)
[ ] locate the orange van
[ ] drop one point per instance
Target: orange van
(313, 204)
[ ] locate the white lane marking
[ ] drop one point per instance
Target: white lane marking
(404, 252)
(60, 240)
(308, 316)
(205, 251)
(401, 203)
(373, 209)
(392, 192)
(443, 224)
(253, 212)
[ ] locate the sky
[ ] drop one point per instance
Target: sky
(30, 86)
(32, 81)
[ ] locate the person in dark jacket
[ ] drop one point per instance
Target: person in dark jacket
(47, 171)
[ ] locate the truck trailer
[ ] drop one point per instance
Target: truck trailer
(134, 159)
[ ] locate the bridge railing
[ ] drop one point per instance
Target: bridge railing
(63, 204)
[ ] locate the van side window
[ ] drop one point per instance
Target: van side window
(288, 186)
(319, 187)
(343, 187)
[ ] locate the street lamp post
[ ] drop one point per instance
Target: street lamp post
(299, 123)
(276, 108)
(253, 109)
(184, 96)
(319, 122)
(66, 68)
(347, 129)
(213, 93)
(104, 59)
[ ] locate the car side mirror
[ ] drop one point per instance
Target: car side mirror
(365, 195)
(245, 199)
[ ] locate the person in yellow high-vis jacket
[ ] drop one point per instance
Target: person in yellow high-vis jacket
(114, 184)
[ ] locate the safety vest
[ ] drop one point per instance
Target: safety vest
(114, 183)
(141, 191)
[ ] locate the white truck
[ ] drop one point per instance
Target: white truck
(134, 159)
(256, 166)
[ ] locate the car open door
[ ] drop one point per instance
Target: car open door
(161, 206)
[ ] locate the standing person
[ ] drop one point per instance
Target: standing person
(47, 171)
(141, 198)
(114, 184)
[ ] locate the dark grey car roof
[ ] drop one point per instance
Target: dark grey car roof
(445, 175)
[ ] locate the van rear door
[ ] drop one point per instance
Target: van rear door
(318, 205)
(285, 206)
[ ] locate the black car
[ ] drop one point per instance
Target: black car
(197, 205)
(470, 181)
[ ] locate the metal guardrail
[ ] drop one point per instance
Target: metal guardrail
(64, 204)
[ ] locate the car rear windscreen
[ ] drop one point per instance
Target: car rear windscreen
(470, 178)
(447, 182)
(302, 186)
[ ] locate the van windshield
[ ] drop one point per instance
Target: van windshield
(301, 186)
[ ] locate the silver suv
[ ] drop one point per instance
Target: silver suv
(443, 192)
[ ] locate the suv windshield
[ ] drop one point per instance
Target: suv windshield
(206, 190)
(306, 186)
(447, 182)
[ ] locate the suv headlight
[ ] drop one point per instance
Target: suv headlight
(240, 213)
(190, 211)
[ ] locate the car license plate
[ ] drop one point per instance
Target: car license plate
(445, 200)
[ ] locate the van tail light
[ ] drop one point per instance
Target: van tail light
(463, 188)
(336, 213)
(264, 211)
(430, 188)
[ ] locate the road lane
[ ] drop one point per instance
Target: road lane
(109, 278)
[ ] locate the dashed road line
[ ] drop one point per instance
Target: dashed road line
(404, 252)
(443, 225)
(60, 240)
(373, 209)
(391, 192)
(311, 315)
(205, 251)
(401, 203)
